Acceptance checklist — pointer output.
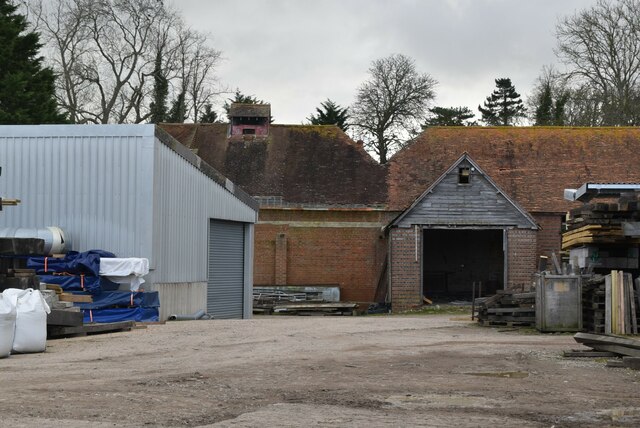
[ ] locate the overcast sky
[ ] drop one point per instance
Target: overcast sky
(297, 53)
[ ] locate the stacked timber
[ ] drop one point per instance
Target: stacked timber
(507, 308)
(13, 253)
(620, 304)
(601, 224)
(611, 304)
(622, 346)
(594, 304)
(317, 309)
(300, 300)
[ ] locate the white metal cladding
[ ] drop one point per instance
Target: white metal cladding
(225, 285)
(184, 201)
(94, 181)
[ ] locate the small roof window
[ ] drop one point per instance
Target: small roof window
(464, 173)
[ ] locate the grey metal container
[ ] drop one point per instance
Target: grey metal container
(559, 303)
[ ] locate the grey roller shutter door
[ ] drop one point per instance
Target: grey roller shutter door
(225, 284)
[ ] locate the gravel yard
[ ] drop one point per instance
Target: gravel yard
(435, 370)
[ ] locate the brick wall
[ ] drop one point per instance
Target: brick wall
(521, 247)
(281, 259)
(550, 236)
(322, 247)
(405, 270)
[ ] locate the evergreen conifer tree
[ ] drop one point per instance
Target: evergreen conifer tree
(330, 113)
(158, 106)
(27, 92)
(209, 116)
(449, 116)
(178, 112)
(503, 106)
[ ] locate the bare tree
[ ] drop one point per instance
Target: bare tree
(601, 47)
(197, 62)
(392, 104)
(105, 53)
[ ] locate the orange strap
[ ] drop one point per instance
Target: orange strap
(131, 298)
(46, 264)
(82, 282)
(90, 315)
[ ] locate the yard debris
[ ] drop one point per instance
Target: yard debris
(623, 346)
(507, 308)
(300, 300)
(321, 309)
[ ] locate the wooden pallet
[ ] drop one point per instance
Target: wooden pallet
(94, 328)
(318, 309)
(507, 308)
(504, 323)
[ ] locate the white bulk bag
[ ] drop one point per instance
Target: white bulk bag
(7, 325)
(31, 320)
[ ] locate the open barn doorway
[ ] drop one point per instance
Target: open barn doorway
(453, 259)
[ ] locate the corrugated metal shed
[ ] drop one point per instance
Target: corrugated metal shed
(129, 189)
(92, 181)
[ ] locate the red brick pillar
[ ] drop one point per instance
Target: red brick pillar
(521, 258)
(281, 259)
(405, 253)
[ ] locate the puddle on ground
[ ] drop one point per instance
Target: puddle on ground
(508, 375)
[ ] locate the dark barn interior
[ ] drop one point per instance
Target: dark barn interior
(454, 259)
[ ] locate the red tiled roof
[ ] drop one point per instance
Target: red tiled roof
(532, 164)
(301, 164)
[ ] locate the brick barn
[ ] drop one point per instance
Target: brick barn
(331, 215)
(462, 229)
(452, 232)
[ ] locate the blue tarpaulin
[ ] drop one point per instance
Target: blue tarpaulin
(138, 314)
(73, 263)
(90, 284)
(111, 299)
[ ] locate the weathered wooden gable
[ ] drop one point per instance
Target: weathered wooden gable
(465, 196)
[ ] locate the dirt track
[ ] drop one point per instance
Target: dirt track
(295, 371)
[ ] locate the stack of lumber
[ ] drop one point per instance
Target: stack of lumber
(19, 278)
(318, 309)
(265, 298)
(611, 304)
(13, 253)
(596, 234)
(622, 346)
(507, 308)
(620, 304)
(600, 223)
(593, 304)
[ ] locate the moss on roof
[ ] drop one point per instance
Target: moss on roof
(532, 164)
(311, 164)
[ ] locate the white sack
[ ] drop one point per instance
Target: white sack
(7, 325)
(31, 320)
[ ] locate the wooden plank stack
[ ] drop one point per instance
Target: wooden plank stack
(611, 304)
(620, 306)
(593, 304)
(608, 343)
(601, 223)
(507, 308)
(317, 309)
